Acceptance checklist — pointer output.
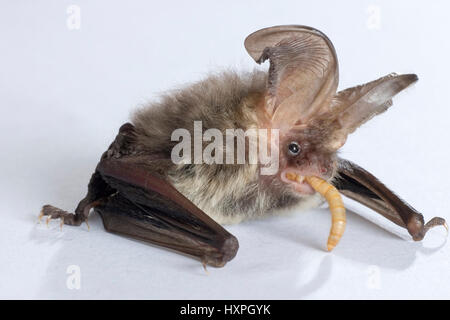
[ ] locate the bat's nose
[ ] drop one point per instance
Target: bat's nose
(324, 172)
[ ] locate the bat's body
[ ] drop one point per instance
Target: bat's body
(140, 191)
(227, 193)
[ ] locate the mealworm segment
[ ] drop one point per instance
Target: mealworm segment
(337, 209)
(334, 199)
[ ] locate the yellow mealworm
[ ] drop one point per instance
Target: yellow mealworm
(337, 209)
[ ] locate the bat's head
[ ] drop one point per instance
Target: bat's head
(301, 100)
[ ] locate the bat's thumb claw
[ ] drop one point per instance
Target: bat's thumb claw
(41, 214)
(436, 221)
(204, 267)
(48, 220)
(61, 223)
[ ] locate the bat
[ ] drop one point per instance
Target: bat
(141, 192)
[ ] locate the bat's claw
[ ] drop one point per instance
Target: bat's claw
(436, 221)
(89, 228)
(204, 267)
(41, 214)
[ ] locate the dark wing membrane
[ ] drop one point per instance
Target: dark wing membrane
(149, 208)
(360, 185)
(134, 199)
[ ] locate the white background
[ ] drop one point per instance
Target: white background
(64, 93)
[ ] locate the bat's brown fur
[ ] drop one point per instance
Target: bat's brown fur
(228, 193)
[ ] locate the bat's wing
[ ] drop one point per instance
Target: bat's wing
(136, 201)
(360, 185)
(147, 207)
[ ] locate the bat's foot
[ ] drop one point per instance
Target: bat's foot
(65, 217)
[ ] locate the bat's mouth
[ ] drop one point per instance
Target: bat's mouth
(297, 180)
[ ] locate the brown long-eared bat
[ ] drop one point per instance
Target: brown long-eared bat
(154, 185)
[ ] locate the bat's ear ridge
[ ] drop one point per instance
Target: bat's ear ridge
(303, 73)
(258, 41)
(354, 106)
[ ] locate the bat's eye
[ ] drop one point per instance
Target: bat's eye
(294, 148)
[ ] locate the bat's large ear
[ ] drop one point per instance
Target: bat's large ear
(303, 74)
(354, 106)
